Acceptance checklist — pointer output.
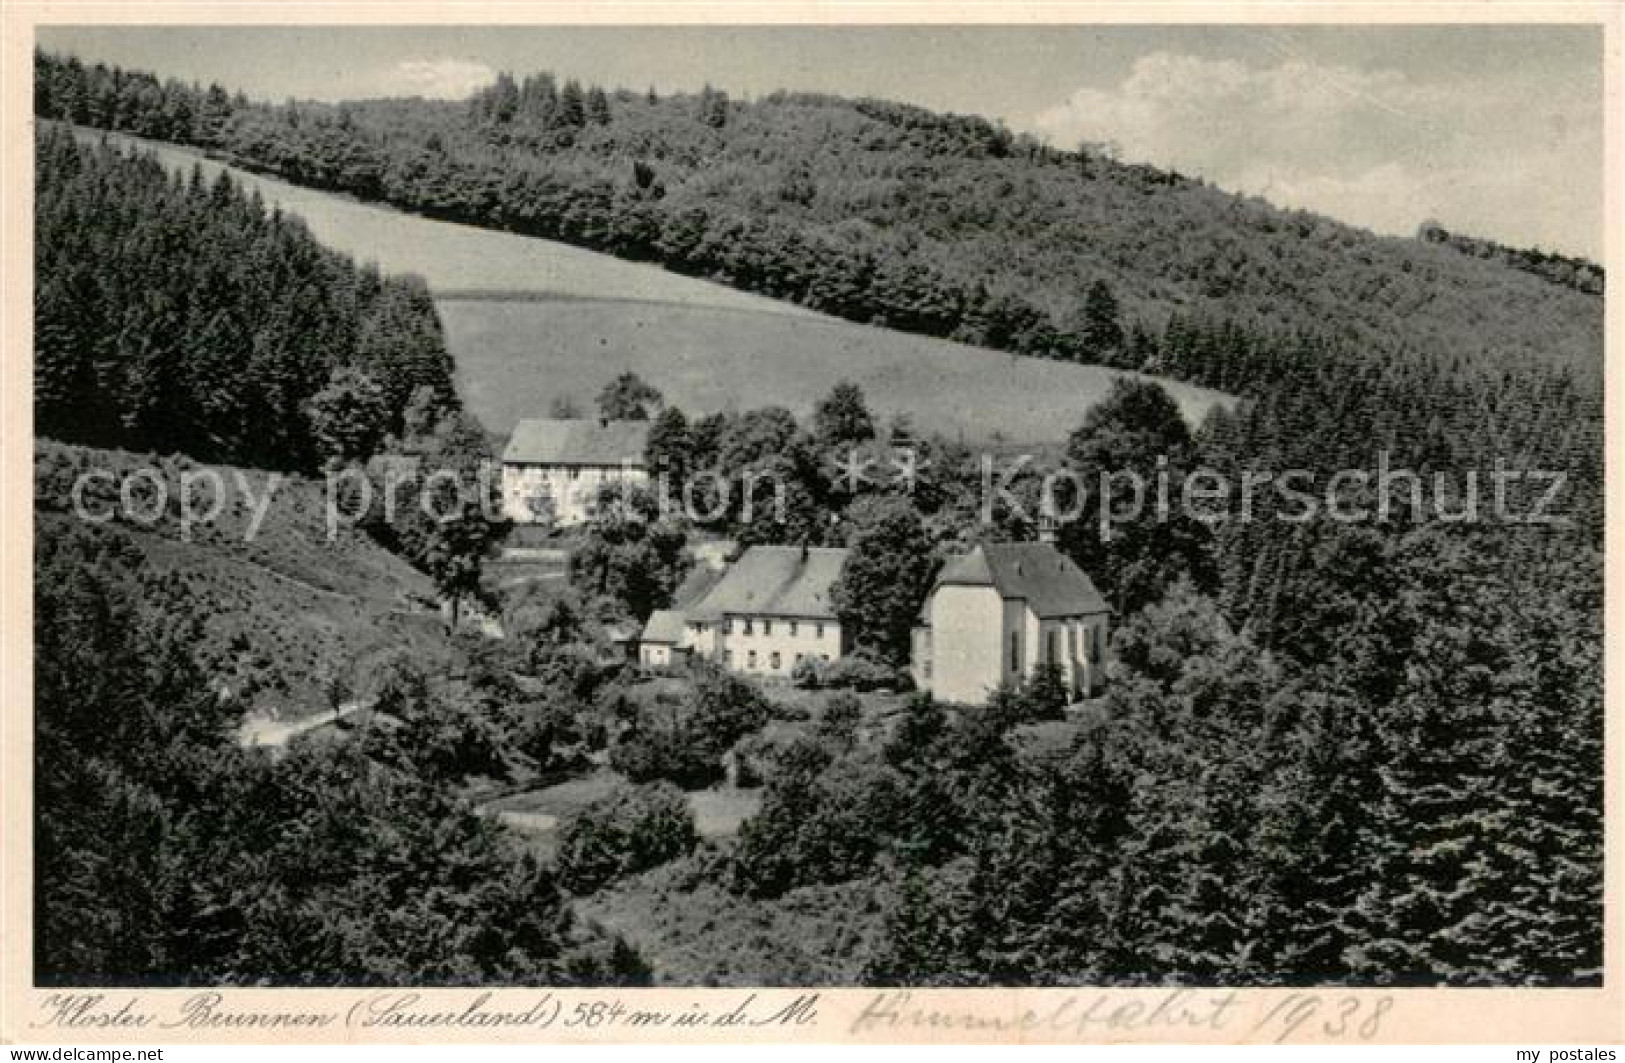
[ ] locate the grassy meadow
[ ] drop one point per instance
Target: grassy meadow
(529, 320)
(515, 356)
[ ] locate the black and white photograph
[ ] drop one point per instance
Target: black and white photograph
(818, 506)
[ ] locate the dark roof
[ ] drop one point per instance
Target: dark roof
(696, 585)
(775, 581)
(1037, 573)
(665, 625)
(545, 441)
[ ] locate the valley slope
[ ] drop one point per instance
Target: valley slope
(531, 320)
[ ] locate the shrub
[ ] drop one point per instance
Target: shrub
(808, 674)
(630, 830)
(1045, 696)
(652, 749)
(551, 732)
(725, 709)
(860, 671)
(686, 743)
(842, 715)
(823, 819)
(755, 757)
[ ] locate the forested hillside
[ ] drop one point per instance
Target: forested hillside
(289, 618)
(1356, 751)
(166, 854)
(1566, 270)
(182, 316)
(873, 211)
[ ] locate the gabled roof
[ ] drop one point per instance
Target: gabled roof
(695, 586)
(664, 626)
(1036, 573)
(775, 581)
(547, 441)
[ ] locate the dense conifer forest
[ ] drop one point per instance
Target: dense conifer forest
(1364, 752)
(942, 224)
(183, 316)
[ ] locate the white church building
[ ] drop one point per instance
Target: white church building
(997, 613)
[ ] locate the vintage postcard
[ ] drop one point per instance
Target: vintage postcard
(831, 522)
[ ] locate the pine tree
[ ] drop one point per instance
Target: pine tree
(1102, 328)
(842, 417)
(572, 110)
(597, 106)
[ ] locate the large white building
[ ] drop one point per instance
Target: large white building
(762, 615)
(996, 614)
(553, 469)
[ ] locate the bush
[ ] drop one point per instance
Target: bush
(630, 830)
(755, 758)
(1044, 696)
(860, 671)
(552, 733)
(808, 674)
(842, 715)
(652, 749)
(686, 743)
(442, 735)
(823, 819)
(725, 709)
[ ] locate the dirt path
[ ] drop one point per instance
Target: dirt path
(269, 732)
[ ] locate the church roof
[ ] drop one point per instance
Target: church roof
(551, 441)
(1036, 573)
(775, 581)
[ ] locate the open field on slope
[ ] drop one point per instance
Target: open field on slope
(455, 257)
(514, 357)
(529, 320)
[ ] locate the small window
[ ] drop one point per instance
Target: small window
(773, 661)
(728, 626)
(925, 669)
(747, 625)
(1015, 652)
(824, 657)
(767, 627)
(750, 660)
(792, 629)
(818, 632)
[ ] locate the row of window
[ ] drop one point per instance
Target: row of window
(573, 472)
(748, 627)
(1052, 646)
(774, 660)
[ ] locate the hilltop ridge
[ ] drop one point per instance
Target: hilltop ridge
(878, 212)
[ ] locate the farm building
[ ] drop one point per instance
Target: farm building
(663, 640)
(996, 614)
(553, 469)
(764, 614)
